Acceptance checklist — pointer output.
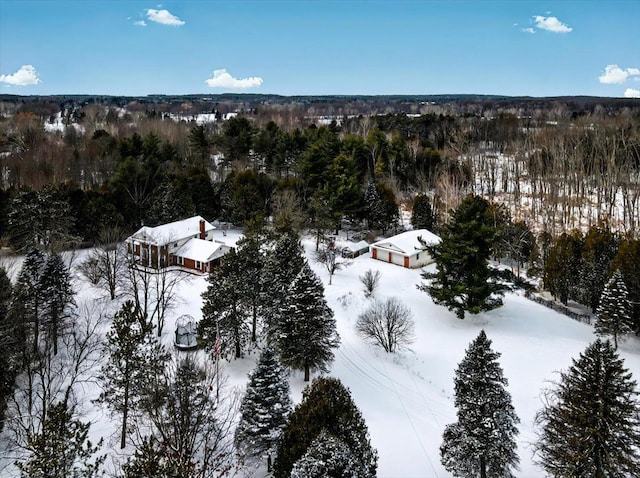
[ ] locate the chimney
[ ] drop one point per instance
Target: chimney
(202, 233)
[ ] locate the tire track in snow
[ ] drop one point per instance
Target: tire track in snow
(353, 357)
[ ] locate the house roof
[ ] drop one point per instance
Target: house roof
(201, 250)
(173, 231)
(407, 243)
(355, 246)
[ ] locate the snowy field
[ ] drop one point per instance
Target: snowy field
(407, 397)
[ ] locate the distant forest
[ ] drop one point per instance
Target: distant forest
(563, 174)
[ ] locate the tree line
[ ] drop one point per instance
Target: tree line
(578, 171)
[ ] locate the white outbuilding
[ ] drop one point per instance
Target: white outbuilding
(405, 249)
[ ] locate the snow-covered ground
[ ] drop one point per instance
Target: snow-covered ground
(407, 397)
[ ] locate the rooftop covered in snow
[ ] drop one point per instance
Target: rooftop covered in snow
(407, 242)
(172, 231)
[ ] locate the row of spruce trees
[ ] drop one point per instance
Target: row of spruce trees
(589, 425)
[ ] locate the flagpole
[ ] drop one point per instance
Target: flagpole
(217, 360)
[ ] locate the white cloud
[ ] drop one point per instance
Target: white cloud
(551, 24)
(164, 17)
(613, 74)
(140, 23)
(26, 75)
(631, 93)
(222, 79)
(528, 30)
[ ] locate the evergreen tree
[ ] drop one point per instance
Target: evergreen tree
(599, 250)
(200, 145)
(128, 363)
(590, 423)
(57, 297)
(27, 302)
(321, 220)
(250, 262)
(284, 263)
(326, 405)
(627, 260)
(389, 209)
(264, 408)
(563, 267)
(223, 311)
(463, 280)
(345, 186)
(149, 461)
(381, 207)
(372, 204)
(422, 214)
(170, 203)
(62, 449)
(307, 329)
(328, 457)
(9, 344)
(482, 441)
(39, 219)
(613, 315)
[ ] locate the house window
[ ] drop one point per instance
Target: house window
(180, 261)
(175, 244)
(198, 265)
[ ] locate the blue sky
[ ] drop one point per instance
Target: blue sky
(122, 47)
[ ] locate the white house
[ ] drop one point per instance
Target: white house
(405, 249)
(187, 243)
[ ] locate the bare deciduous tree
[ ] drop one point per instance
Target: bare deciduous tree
(154, 291)
(107, 263)
(388, 324)
(49, 379)
(370, 281)
(189, 419)
(331, 259)
(287, 211)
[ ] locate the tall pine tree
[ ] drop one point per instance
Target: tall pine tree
(128, 364)
(283, 265)
(307, 329)
(250, 262)
(58, 298)
(482, 441)
(326, 406)
(423, 215)
(223, 310)
(463, 280)
(613, 315)
(264, 409)
(9, 344)
(27, 302)
(590, 423)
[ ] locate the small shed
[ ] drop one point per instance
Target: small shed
(186, 333)
(405, 249)
(355, 249)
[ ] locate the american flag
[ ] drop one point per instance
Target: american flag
(216, 348)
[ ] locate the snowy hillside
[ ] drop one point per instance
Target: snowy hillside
(407, 397)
